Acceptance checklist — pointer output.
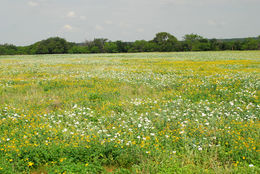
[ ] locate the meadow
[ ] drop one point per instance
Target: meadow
(184, 112)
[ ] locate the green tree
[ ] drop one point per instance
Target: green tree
(76, 49)
(165, 41)
(94, 49)
(100, 43)
(250, 44)
(53, 45)
(110, 47)
(122, 47)
(193, 41)
(214, 45)
(138, 46)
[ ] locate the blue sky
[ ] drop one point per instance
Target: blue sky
(24, 22)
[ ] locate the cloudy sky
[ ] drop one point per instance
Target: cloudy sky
(24, 22)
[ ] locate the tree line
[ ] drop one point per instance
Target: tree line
(162, 42)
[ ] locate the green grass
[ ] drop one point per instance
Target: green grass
(186, 112)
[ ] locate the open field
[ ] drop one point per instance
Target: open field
(193, 112)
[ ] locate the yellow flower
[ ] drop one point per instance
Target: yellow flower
(86, 164)
(62, 159)
(30, 164)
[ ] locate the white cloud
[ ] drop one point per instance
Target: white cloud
(32, 3)
(71, 14)
(99, 27)
(67, 27)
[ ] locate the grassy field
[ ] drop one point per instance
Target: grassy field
(195, 112)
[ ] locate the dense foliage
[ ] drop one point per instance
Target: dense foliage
(163, 42)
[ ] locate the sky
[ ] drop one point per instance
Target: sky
(24, 22)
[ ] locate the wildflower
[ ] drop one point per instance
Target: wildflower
(30, 164)
(200, 149)
(86, 164)
(251, 165)
(173, 152)
(65, 130)
(62, 159)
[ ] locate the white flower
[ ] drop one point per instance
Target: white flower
(139, 125)
(251, 165)
(173, 152)
(65, 130)
(152, 134)
(138, 137)
(199, 148)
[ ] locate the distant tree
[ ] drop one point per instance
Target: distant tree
(76, 49)
(8, 49)
(110, 47)
(53, 45)
(165, 41)
(2, 50)
(237, 45)
(138, 46)
(250, 44)
(183, 46)
(193, 41)
(94, 49)
(122, 47)
(150, 46)
(225, 45)
(100, 43)
(258, 42)
(214, 45)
